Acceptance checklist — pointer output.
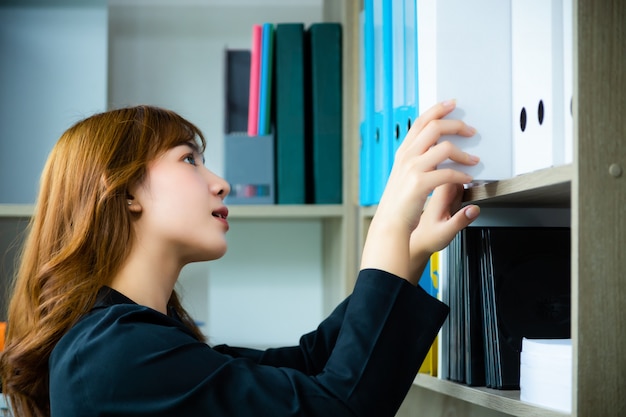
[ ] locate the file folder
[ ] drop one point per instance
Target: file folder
(430, 283)
(266, 77)
(290, 114)
(398, 67)
(237, 71)
(404, 69)
(382, 120)
(538, 108)
(325, 83)
(465, 54)
(387, 130)
(568, 83)
(367, 128)
(255, 74)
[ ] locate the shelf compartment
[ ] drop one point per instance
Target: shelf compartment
(505, 401)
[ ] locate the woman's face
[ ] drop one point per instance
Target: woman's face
(180, 207)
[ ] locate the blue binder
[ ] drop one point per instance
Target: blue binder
(367, 128)
(387, 131)
(265, 81)
(375, 58)
(389, 90)
(405, 108)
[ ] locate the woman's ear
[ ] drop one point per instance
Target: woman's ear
(133, 205)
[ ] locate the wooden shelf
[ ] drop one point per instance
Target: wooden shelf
(16, 210)
(500, 400)
(269, 211)
(550, 187)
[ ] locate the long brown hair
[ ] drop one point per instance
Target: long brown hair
(78, 237)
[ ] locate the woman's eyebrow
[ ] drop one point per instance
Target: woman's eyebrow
(193, 145)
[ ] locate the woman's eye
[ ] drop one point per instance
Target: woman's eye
(190, 159)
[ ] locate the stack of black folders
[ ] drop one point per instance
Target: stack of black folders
(502, 284)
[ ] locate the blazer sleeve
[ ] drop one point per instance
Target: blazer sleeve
(361, 361)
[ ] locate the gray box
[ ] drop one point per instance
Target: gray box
(249, 166)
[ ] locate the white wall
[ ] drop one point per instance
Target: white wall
(62, 63)
(52, 73)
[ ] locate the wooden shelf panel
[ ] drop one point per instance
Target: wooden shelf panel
(269, 211)
(549, 187)
(16, 210)
(500, 400)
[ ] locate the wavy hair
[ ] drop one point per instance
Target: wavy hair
(78, 237)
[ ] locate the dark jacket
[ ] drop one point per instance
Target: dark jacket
(123, 359)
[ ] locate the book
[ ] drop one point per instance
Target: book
(324, 147)
(290, 128)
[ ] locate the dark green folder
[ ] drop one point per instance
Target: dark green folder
(325, 83)
(290, 113)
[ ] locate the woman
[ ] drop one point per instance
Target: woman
(96, 328)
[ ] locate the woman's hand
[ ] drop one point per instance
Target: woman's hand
(439, 223)
(394, 242)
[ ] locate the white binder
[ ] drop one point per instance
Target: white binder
(568, 82)
(465, 54)
(538, 97)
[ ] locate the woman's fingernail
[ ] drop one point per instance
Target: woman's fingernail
(449, 103)
(471, 130)
(472, 212)
(473, 158)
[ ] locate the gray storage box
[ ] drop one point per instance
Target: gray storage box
(250, 168)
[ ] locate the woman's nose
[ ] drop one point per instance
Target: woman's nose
(219, 186)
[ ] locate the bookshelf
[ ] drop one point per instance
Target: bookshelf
(594, 188)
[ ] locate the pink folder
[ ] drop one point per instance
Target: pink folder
(255, 69)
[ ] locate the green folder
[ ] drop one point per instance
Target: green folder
(325, 95)
(290, 113)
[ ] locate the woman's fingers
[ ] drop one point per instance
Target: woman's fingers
(442, 218)
(437, 111)
(434, 179)
(418, 142)
(446, 150)
(448, 195)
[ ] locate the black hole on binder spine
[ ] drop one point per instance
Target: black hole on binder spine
(522, 119)
(408, 125)
(377, 136)
(397, 132)
(571, 106)
(540, 112)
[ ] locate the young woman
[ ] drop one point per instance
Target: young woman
(96, 328)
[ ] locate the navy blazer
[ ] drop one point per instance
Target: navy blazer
(123, 359)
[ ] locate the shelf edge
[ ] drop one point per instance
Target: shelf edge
(502, 401)
(270, 211)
